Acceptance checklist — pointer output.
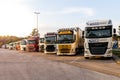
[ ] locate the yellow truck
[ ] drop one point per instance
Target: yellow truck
(70, 41)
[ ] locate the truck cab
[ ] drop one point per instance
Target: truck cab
(23, 44)
(69, 41)
(98, 39)
(50, 42)
(41, 44)
(33, 43)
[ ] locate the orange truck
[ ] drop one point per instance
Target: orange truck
(33, 44)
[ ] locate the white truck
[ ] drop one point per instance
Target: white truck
(119, 43)
(41, 44)
(23, 44)
(98, 39)
(69, 41)
(11, 46)
(50, 41)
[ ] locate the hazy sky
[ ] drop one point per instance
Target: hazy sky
(17, 16)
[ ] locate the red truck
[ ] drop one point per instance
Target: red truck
(33, 43)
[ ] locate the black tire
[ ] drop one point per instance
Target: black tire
(109, 58)
(86, 57)
(77, 51)
(24, 49)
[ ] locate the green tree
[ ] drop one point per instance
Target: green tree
(35, 32)
(8, 39)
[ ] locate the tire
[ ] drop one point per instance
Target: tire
(77, 51)
(86, 57)
(24, 49)
(109, 58)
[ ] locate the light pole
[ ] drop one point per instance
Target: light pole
(37, 18)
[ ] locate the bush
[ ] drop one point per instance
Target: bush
(116, 52)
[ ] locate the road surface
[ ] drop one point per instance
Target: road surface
(17, 66)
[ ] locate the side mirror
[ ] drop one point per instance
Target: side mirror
(114, 31)
(83, 34)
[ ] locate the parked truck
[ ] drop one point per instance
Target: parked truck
(33, 43)
(10, 46)
(17, 45)
(98, 38)
(119, 43)
(41, 44)
(50, 42)
(23, 44)
(70, 41)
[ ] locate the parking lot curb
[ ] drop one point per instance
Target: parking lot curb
(116, 59)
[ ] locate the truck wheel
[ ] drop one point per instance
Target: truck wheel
(24, 49)
(37, 50)
(77, 51)
(109, 58)
(86, 57)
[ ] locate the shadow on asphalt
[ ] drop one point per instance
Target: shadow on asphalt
(100, 58)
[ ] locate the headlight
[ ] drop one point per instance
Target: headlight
(86, 52)
(110, 51)
(85, 44)
(110, 45)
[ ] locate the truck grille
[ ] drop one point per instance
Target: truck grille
(64, 48)
(50, 48)
(98, 48)
(31, 47)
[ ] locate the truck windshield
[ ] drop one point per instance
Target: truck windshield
(31, 41)
(99, 33)
(65, 38)
(41, 40)
(51, 39)
(23, 42)
(11, 44)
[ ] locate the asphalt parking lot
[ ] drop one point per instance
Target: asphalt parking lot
(17, 65)
(103, 65)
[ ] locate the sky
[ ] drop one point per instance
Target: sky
(17, 17)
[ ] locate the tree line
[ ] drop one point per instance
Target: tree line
(7, 39)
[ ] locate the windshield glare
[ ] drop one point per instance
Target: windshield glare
(98, 33)
(65, 38)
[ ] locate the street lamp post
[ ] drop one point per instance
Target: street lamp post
(37, 18)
